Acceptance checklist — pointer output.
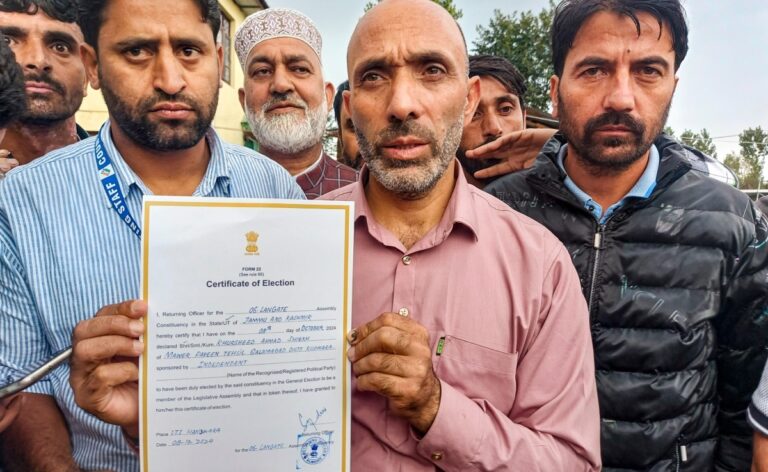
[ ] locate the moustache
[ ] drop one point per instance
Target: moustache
(282, 99)
(46, 79)
(148, 104)
(614, 118)
(403, 129)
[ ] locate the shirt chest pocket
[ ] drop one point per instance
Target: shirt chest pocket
(480, 372)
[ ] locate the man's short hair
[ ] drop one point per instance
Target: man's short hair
(90, 17)
(502, 70)
(13, 99)
(60, 10)
(570, 15)
(338, 99)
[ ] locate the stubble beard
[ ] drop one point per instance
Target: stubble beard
(50, 109)
(411, 179)
(613, 155)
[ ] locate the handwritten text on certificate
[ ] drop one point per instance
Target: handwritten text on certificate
(245, 365)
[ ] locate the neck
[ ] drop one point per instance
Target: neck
(27, 142)
(606, 188)
(164, 172)
(297, 163)
(410, 219)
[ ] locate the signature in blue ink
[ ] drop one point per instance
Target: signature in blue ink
(306, 423)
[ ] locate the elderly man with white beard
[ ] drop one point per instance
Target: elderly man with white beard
(285, 98)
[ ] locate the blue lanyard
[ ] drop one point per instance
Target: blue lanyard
(111, 185)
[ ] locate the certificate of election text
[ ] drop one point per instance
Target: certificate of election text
(245, 365)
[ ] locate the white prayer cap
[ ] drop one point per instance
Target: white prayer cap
(273, 23)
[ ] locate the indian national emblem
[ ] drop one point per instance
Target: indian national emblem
(252, 237)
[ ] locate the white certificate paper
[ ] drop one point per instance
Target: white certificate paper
(245, 364)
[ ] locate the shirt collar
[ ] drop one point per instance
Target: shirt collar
(642, 188)
(218, 167)
(459, 212)
(311, 169)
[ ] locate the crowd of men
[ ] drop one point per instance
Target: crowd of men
(600, 300)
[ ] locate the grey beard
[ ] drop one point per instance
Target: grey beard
(413, 179)
(288, 133)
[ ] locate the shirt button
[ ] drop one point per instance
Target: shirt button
(436, 456)
(404, 312)
(407, 260)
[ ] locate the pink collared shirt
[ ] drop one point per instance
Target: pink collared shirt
(510, 341)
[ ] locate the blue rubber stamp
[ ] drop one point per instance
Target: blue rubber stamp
(314, 449)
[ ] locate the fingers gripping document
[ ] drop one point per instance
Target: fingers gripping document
(245, 363)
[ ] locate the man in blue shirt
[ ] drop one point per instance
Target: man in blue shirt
(69, 245)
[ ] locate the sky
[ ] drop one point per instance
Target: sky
(723, 81)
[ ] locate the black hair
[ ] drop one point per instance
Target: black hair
(91, 17)
(60, 10)
(570, 15)
(338, 99)
(13, 99)
(502, 70)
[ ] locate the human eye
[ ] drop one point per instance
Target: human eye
(592, 72)
(650, 71)
(189, 51)
(261, 71)
(61, 48)
(136, 53)
(371, 77)
(434, 71)
(506, 109)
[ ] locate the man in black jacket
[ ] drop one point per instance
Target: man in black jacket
(674, 265)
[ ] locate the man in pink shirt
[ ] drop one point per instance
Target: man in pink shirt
(471, 348)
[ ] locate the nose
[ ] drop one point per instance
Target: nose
(34, 56)
(621, 96)
(169, 74)
(281, 82)
(404, 103)
(491, 126)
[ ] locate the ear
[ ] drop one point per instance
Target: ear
(220, 58)
(330, 91)
(473, 99)
(241, 96)
(554, 84)
(347, 96)
(91, 62)
(525, 118)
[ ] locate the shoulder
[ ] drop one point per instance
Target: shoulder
(251, 168)
(241, 156)
(342, 169)
(697, 191)
(341, 194)
(497, 217)
(512, 188)
(73, 162)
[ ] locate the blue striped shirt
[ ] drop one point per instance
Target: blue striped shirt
(65, 253)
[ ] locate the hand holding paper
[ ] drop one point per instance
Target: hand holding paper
(104, 369)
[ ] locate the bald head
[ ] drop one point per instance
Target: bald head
(407, 18)
(410, 94)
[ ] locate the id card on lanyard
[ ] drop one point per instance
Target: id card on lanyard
(111, 185)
